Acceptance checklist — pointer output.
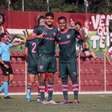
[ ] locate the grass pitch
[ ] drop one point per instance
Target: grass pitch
(88, 103)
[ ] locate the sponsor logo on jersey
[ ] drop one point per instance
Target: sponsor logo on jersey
(68, 36)
(41, 67)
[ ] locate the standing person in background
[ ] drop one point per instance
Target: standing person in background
(2, 20)
(71, 23)
(40, 21)
(31, 52)
(108, 54)
(5, 62)
(66, 39)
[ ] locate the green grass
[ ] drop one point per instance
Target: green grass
(89, 103)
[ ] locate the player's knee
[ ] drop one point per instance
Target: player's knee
(64, 80)
(51, 81)
(73, 77)
(29, 85)
(41, 81)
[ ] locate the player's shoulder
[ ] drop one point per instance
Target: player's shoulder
(39, 27)
(55, 28)
(2, 44)
(110, 49)
(71, 31)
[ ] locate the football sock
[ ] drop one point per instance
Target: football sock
(1, 87)
(75, 90)
(5, 88)
(65, 91)
(28, 94)
(42, 92)
(50, 92)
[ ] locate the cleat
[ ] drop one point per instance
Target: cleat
(76, 101)
(51, 102)
(38, 98)
(28, 99)
(7, 97)
(64, 102)
(44, 102)
(28, 96)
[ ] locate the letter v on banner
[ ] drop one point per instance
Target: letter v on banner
(95, 21)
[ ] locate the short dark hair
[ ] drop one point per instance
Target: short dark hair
(49, 14)
(78, 23)
(62, 17)
(3, 18)
(2, 35)
(39, 18)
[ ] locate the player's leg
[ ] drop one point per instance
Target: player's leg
(50, 86)
(72, 67)
(42, 66)
(31, 79)
(6, 87)
(51, 70)
(2, 85)
(6, 73)
(38, 89)
(32, 71)
(64, 79)
(41, 79)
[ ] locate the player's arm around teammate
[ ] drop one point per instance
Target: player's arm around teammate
(67, 59)
(46, 58)
(31, 52)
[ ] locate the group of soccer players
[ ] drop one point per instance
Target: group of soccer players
(40, 51)
(41, 57)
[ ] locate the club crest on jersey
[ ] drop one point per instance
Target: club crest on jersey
(41, 67)
(45, 33)
(54, 34)
(68, 36)
(59, 38)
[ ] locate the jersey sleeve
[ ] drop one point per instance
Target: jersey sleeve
(10, 45)
(0, 50)
(110, 51)
(37, 30)
(77, 35)
(26, 44)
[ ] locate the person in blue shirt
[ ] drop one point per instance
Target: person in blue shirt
(5, 65)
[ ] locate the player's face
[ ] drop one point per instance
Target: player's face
(49, 20)
(72, 23)
(5, 38)
(42, 22)
(77, 27)
(62, 24)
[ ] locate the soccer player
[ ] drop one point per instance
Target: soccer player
(31, 57)
(46, 58)
(66, 39)
(5, 62)
(31, 51)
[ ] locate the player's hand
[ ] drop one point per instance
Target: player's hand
(6, 66)
(110, 63)
(41, 36)
(59, 75)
